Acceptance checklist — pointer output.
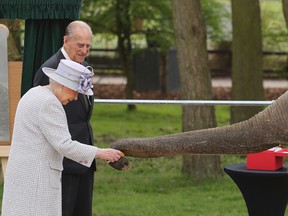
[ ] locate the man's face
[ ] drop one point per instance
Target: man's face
(78, 45)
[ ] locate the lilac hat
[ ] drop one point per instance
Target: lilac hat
(72, 75)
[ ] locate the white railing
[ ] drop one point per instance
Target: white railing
(186, 102)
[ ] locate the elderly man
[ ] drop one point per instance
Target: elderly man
(77, 180)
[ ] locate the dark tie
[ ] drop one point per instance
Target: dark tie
(87, 102)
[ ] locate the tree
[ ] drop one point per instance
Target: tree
(119, 18)
(247, 76)
(123, 31)
(285, 11)
(155, 18)
(195, 79)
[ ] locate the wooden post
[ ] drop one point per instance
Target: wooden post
(4, 152)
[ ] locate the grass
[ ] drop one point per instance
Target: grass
(158, 188)
(155, 186)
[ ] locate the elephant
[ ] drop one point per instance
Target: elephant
(267, 129)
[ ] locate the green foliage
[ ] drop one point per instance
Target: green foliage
(273, 26)
(151, 20)
(274, 31)
(217, 18)
(100, 15)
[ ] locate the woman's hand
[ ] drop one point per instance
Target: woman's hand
(109, 154)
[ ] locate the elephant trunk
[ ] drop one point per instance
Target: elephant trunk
(265, 130)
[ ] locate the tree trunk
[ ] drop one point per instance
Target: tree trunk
(247, 75)
(124, 45)
(285, 11)
(195, 81)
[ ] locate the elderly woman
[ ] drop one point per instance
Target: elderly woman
(41, 139)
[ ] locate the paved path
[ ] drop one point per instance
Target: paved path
(268, 83)
(117, 80)
(216, 82)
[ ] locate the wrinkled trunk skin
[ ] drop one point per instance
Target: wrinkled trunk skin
(265, 130)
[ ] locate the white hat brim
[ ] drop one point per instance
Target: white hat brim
(50, 72)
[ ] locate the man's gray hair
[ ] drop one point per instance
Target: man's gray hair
(77, 24)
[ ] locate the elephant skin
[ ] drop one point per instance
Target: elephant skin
(267, 129)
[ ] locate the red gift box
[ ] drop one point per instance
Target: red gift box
(271, 159)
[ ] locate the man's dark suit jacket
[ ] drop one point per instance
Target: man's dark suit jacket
(78, 115)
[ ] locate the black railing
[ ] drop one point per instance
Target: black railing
(107, 61)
